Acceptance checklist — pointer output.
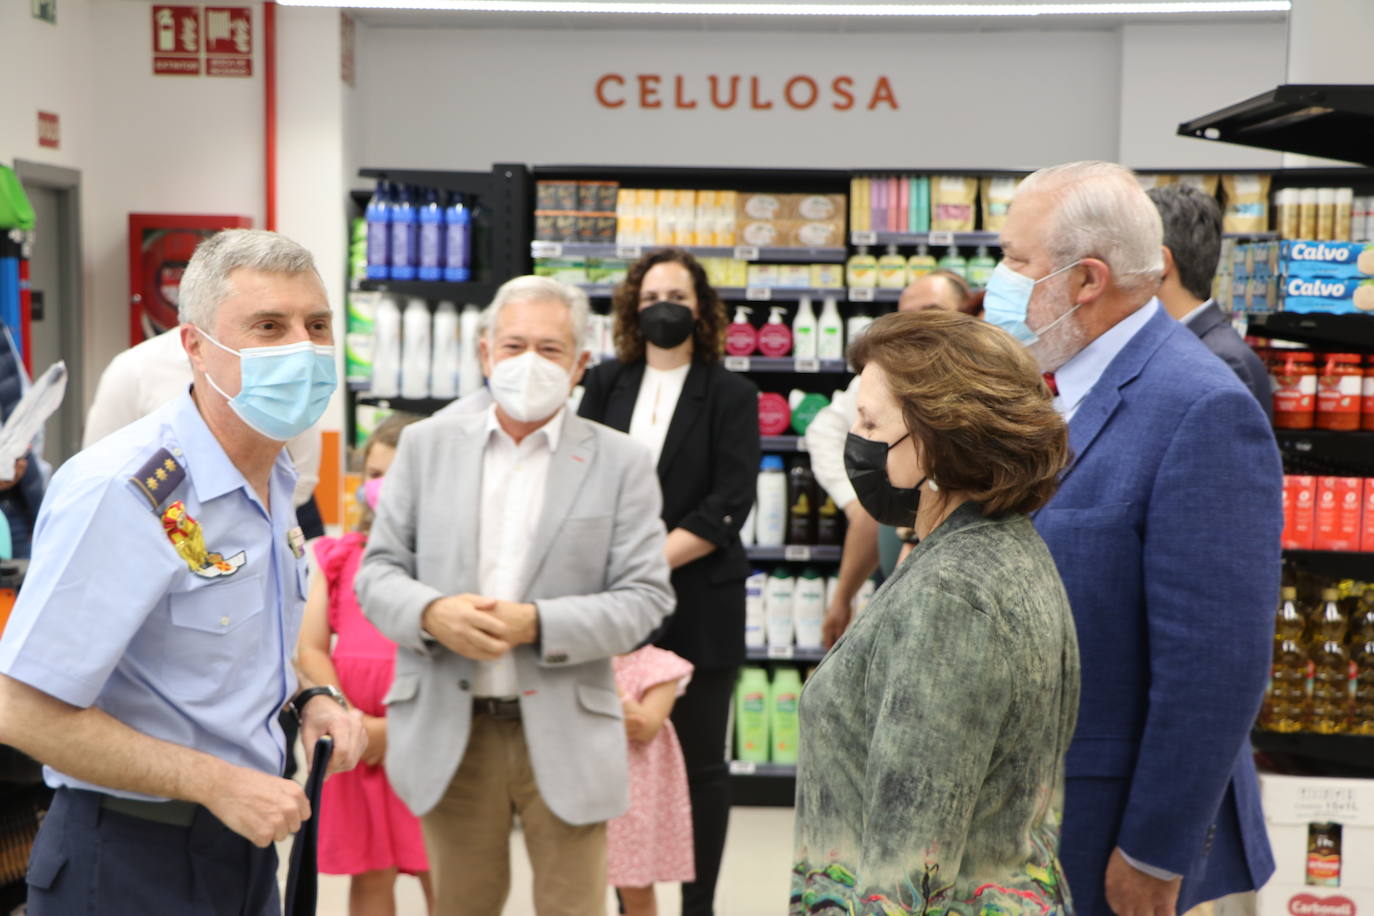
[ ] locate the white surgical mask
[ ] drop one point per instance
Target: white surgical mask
(529, 387)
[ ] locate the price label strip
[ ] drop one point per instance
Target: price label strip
(737, 363)
(808, 365)
(629, 252)
(942, 238)
(758, 293)
(796, 553)
(863, 238)
(546, 249)
(860, 294)
(746, 253)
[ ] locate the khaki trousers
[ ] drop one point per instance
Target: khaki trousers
(468, 834)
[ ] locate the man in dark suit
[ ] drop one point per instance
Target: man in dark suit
(1165, 531)
(1192, 247)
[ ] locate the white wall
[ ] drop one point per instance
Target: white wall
(448, 98)
(1173, 73)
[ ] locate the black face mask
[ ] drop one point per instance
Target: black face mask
(865, 462)
(666, 324)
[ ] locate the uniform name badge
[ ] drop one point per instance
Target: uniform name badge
(295, 539)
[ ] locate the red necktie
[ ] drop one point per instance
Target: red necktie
(1049, 380)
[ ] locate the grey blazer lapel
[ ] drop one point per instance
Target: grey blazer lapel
(568, 469)
(463, 473)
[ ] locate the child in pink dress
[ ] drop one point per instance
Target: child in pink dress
(365, 830)
(653, 840)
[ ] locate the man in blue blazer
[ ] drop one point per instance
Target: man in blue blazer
(1166, 533)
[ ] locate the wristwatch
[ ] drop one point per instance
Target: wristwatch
(305, 696)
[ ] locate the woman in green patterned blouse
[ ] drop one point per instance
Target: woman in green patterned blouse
(933, 734)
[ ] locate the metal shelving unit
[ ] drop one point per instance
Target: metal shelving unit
(1348, 332)
(785, 364)
(782, 443)
(459, 293)
(784, 654)
(797, 553)
(765, 254)
(1337, 755)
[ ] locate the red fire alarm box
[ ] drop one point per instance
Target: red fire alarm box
(160, 245)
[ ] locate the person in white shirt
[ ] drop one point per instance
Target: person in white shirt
(149, 374)
(941, 289)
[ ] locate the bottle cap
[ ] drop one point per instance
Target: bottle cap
(771, 463)
(1330, 594)
(1288, 593)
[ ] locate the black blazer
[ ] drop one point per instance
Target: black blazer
(1217, 335)
(708, 471)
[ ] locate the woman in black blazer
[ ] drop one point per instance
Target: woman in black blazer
(668, 389)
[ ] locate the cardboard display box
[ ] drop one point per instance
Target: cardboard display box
(1323, 882)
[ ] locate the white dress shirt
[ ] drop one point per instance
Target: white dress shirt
(1188, 318)
(513, 480)
(1077, 377)
(825, 441)
(659, 392)
(147, 375)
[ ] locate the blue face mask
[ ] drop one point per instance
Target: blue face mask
(284, 389)
(1007, 300)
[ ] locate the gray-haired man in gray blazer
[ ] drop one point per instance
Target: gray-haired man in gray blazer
(515, 551)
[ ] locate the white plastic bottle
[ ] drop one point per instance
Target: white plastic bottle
(746, 531)
(416, 349)
(804, 331)
(755, 619)
(770, 518)
(831, 342)
(808, 609)
(443, 370)
(386, 349)
(469, 366)
(777, 604)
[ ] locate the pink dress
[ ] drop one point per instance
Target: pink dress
(652, 841)
(364, 826)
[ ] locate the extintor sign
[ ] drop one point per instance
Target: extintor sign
(176, 40)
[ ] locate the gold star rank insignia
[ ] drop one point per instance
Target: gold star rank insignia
(158, 479)
(161, 474)
(151, 482)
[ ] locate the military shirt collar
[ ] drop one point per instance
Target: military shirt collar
(212, 473)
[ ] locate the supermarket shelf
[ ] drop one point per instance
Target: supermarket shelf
(421, 406)
(798, 553)
(784, 654)
(1326, 120)
(597, 290)
(835, 255)
(784, 364)
(925, 238)
(1347, 332)
(772, 785)
(778, 294)
(1335, 564)
(782, 443)
(869, 294)
(1351, 754)
(1352, 450)
(461, 293)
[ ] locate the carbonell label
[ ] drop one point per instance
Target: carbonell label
(1309, 905)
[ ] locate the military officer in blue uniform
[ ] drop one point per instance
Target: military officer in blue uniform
(149, 654)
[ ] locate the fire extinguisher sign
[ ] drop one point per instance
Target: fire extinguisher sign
(176, 40)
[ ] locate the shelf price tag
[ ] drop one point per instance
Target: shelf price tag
(743, 768)
(546, 249)
(758, 293)
(796, 553)
(860, 294)
(801, 444)
(629, 252)
(737, 363)
(746, 253)
(863, 238)
(781, 651)
(808, 365)
(942, 238)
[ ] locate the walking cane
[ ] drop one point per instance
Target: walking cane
(302, 879)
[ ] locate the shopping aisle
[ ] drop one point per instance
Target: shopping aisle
(753, 881)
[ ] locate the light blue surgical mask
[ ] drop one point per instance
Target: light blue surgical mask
(1006, 302)
(284, 389)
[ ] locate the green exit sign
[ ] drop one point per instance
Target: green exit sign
(45, 10)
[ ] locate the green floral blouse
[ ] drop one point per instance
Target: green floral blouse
(933, 736)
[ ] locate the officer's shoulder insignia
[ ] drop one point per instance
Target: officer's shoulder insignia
(158, 478)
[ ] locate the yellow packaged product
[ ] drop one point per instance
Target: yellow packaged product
(997, 195)
(952, 199)
(1246, 203)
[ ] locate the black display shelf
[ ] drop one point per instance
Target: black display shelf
(1345, 332)
(872, 294)
(1335, 564)
(784, 364)
(782, 443)
(784, 654)
(420, 406)
(1334, 755)
(1346, 454)
(799, 553)
(766, 254)
(744, 293)
(711, 178)
(770, 785)
(1330, 121)
(458, 293)
(936, 239)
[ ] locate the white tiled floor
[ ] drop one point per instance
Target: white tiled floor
(754, 877)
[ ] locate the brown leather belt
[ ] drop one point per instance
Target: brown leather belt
(496, 707)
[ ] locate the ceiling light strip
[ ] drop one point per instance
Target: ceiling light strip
(681, 7)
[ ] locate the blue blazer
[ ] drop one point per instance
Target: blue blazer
(1166, 532)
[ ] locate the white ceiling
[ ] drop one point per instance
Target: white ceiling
(430, 19)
